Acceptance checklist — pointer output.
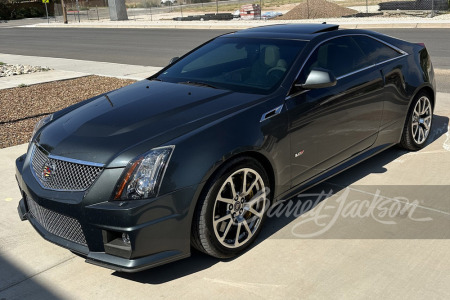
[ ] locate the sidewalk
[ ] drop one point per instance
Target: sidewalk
(441, 21)
(68, 69)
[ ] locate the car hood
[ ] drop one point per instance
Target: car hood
(149, 112)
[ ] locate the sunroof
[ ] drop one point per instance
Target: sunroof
(295, 28)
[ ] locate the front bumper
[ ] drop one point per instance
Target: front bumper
(159, 228)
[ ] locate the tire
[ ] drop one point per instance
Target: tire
(418, 123)
(220, 218)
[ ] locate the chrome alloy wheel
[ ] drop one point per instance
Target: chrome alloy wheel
(421, 120)
(239, 208)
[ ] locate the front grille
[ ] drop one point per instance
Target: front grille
(62, 175)
(60, 225)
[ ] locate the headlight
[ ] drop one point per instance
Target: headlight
(41, 123)
(142, 177)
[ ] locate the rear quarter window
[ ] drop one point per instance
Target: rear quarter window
(376, 52)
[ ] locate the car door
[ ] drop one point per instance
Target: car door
(388, 58)
(329, 125)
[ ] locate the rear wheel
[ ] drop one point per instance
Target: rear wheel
(229, 217)
(418, 124)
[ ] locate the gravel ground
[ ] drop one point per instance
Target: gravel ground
(314, 9)
(21, 108)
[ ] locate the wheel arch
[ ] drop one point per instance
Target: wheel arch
(404, 141)
(261, 158)
(424, 88)
(427, 89)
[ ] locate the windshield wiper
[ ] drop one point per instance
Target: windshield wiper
(155, 79)
(198, 84)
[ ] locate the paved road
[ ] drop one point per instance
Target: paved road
(150, 47)
(155, 47)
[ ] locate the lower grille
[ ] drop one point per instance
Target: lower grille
(60, 225)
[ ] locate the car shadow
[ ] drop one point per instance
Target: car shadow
(198, 261)
(175, 270)
(16, 282)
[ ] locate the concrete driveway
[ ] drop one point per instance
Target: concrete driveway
(380, 231)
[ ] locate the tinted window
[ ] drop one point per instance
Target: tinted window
(239, 64)
(344, 55)
(375, 51)
(340, 55)
(222, 54)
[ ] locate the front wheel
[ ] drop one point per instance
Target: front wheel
(418, 124)
(229, 217)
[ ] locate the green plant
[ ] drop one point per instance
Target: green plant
(33, 12)
(2, 63)
(22, 85)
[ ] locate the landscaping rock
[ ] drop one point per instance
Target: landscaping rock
(11, 70)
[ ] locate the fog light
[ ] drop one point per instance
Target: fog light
(126, 238)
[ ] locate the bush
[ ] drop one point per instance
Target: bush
(4, 11)
(34, 12)
(11, 11)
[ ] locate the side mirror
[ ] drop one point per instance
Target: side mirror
(174, 59)
(318, 79)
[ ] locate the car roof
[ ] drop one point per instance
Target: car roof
(287, 31)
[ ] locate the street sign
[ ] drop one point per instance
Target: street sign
(45, 1)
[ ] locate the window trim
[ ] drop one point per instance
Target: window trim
(402, 54)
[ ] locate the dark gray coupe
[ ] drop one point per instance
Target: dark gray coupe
(197, 153)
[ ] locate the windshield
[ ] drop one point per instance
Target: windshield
(246, 65)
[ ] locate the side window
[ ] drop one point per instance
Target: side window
(222, 54)
(375, 51)
(340, 55)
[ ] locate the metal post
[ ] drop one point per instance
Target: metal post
(432, 8)
(367, 7)
(181, 9)
(260, 9)
(307, 7)
(151, 16)
(46, 12)
(78, 10)
(217, 7)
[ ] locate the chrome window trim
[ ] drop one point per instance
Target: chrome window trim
(368, 67)
(403, 54)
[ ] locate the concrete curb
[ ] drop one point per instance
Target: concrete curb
(70, 68)
(238, 26)
(15, 81)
